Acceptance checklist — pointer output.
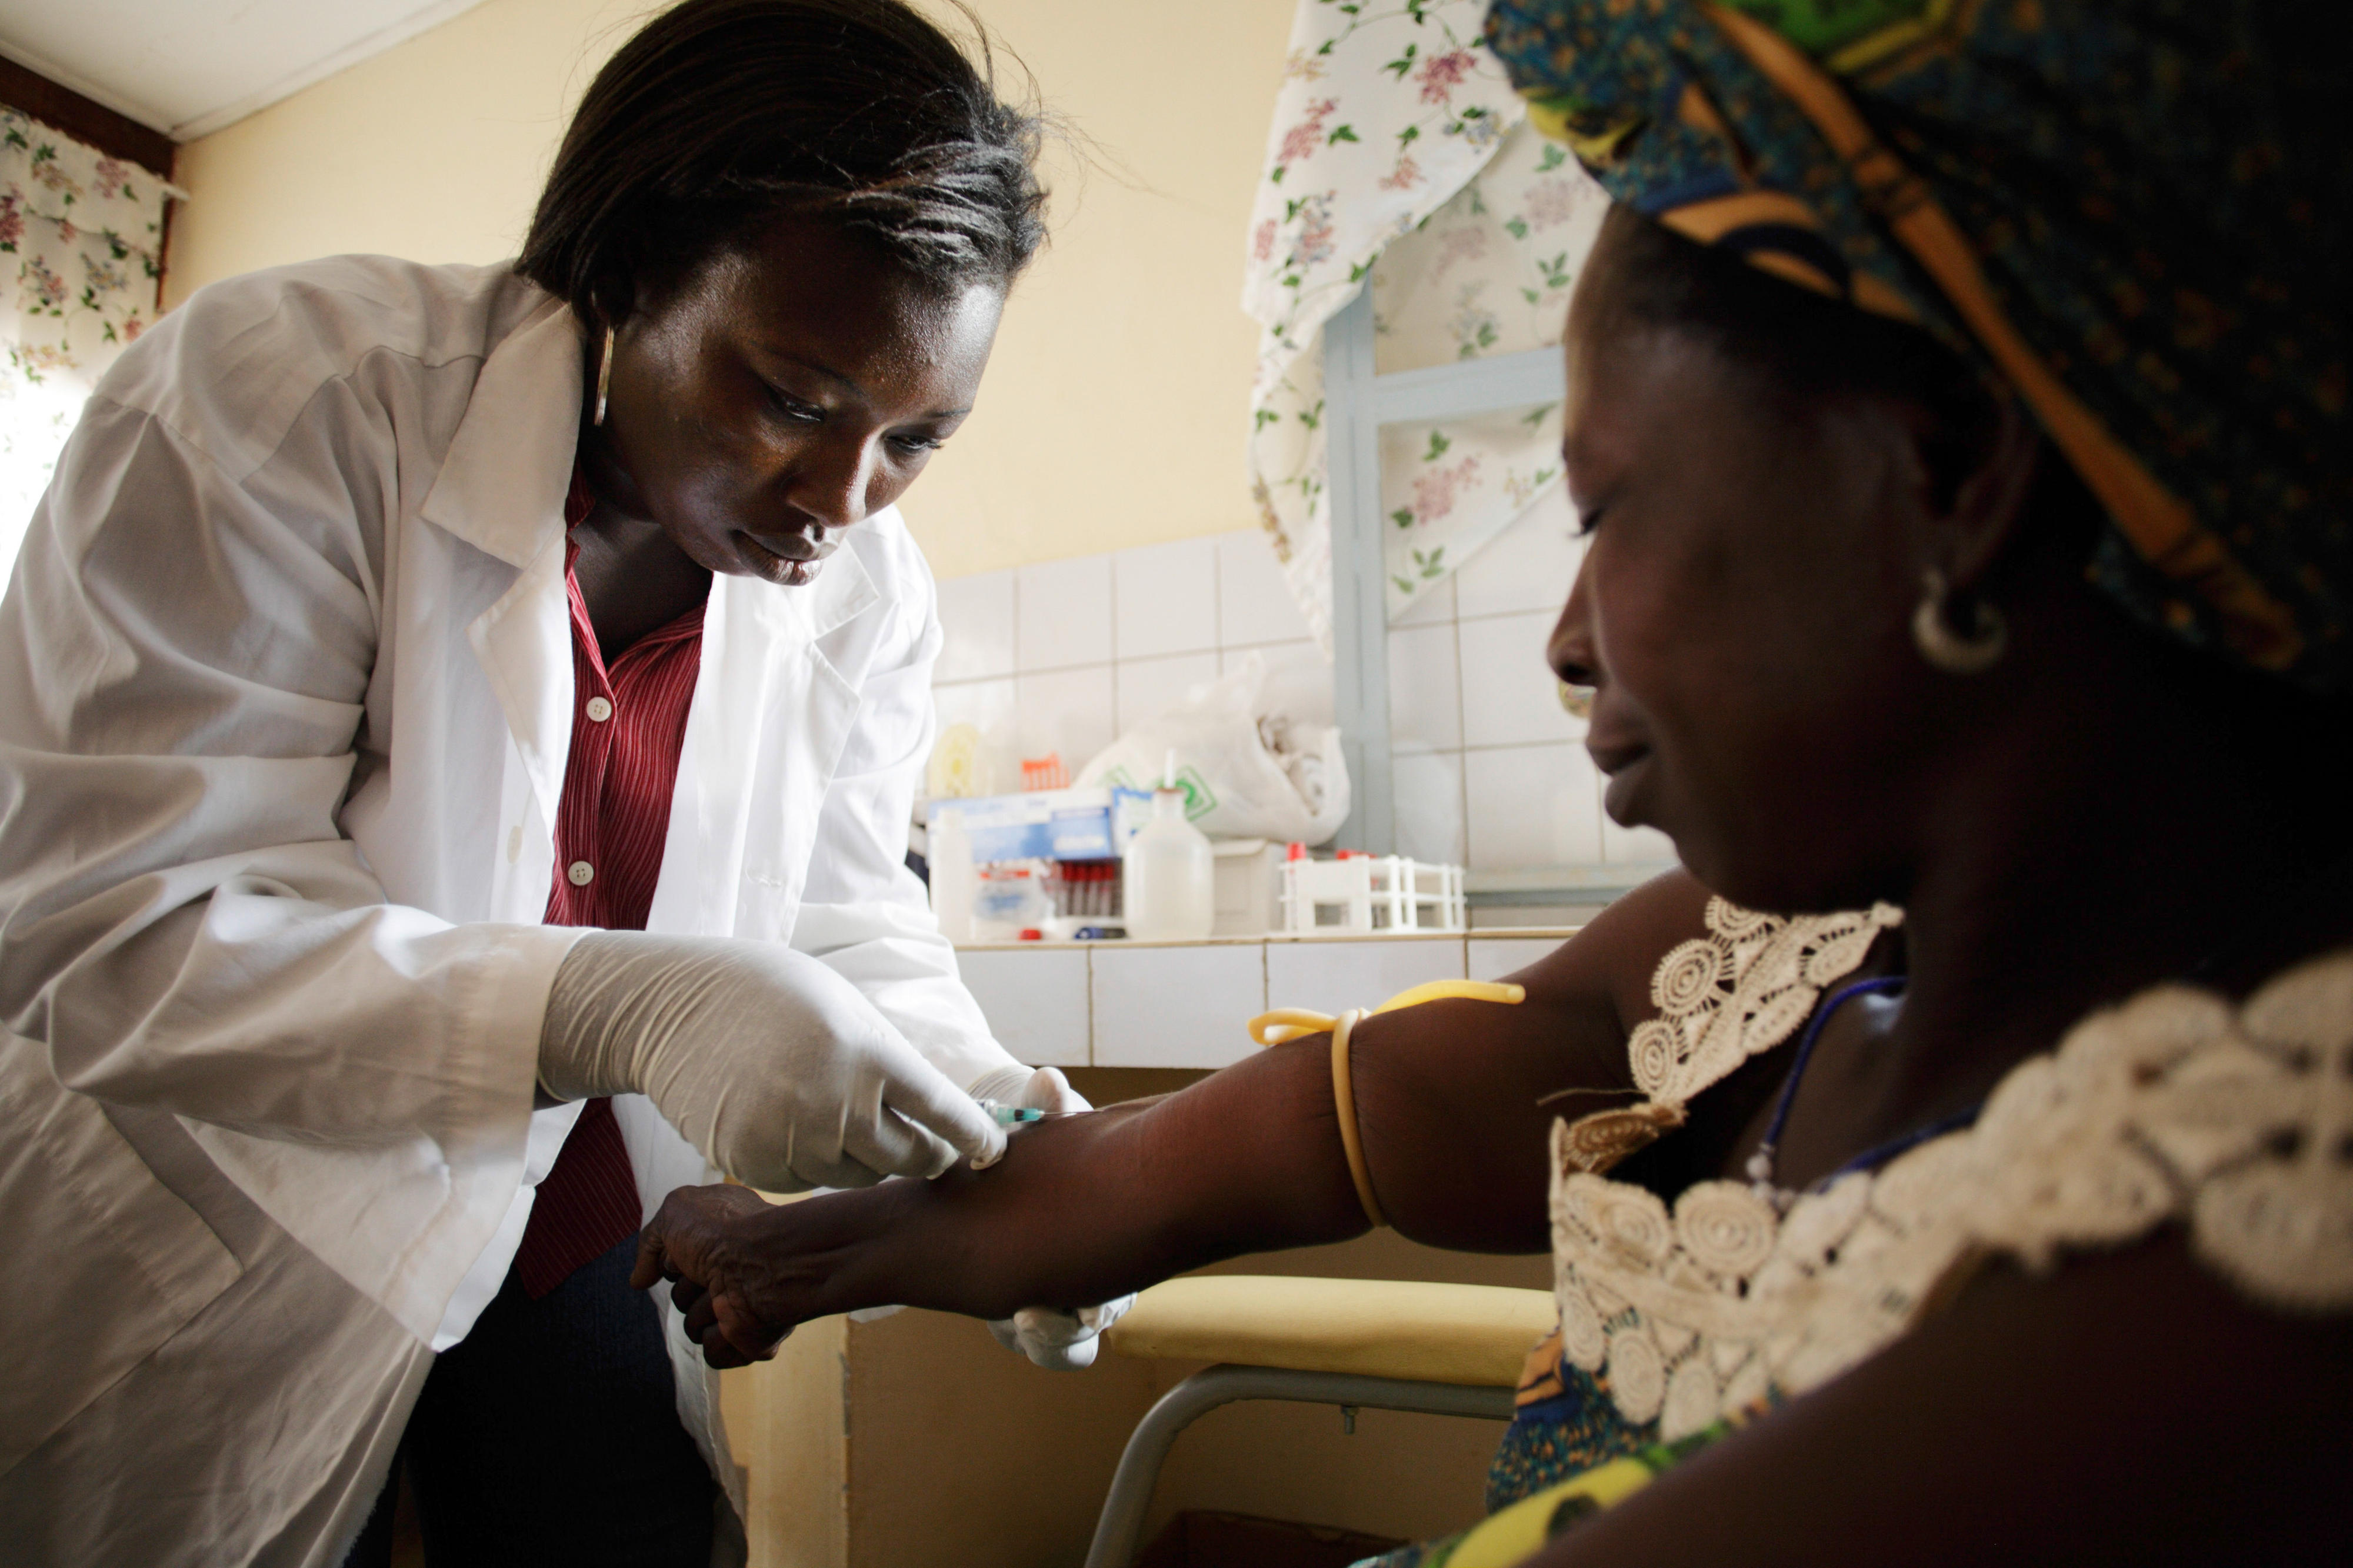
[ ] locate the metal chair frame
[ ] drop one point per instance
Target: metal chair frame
(1119, 1530)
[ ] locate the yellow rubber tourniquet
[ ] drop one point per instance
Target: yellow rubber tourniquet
(1453, 990)
(1344, 1100)
(1296, 1023)
(1288, 1024)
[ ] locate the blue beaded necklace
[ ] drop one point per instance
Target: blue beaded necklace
(1760, 1164)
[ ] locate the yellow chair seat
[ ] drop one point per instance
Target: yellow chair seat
(1474, 1334)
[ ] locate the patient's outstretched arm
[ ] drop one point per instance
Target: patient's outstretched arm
(1248, 1160)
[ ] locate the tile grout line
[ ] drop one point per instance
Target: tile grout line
(1110, 568)
(1217, 600)
(1461, 734)
(1463, 804)
(1090, 956)
(1142, 658)
(1519, 746)
(1506, 615)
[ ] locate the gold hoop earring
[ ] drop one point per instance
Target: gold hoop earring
(1970, 652)
(604, 377)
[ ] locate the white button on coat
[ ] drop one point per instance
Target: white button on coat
(580, 873)
(282, 1017)
(598, 709)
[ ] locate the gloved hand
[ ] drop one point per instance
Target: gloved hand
(776, 1067)
(1057, 1339)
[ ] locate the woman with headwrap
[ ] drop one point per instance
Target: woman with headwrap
(1956, 413)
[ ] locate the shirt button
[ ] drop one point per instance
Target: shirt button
(599, 710)
(580, 872)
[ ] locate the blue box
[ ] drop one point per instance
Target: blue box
(1051, 824)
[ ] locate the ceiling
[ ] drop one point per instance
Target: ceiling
(187, 68)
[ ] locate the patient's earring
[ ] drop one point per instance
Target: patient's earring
(1970, 652)
(604, 377)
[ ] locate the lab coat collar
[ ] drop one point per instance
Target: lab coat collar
(502, 490)
(503, 485)
(843, 588)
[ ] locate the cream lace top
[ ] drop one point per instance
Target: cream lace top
(2237, 1122)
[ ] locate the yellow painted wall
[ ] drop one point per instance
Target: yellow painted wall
(1114, 410)
(916, 1442)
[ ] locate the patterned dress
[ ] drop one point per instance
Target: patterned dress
(1683, 1321)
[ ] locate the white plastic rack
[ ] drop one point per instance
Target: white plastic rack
(1372, 892)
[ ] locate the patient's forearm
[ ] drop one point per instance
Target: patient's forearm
(1083, 1209)
(1247, 1160)
(1454, 1105)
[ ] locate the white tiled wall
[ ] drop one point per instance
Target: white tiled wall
(1072, 712)
(1179, 1006)
(1065, 655)
(1149, 687)
(1490, 771)
(1115, 1004)
(1035, 1000)
(1062, 614)
(1333, 977)
(1166, 599)
(1493, 958)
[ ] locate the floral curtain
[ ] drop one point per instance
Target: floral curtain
(81, 239)
(1398, 156)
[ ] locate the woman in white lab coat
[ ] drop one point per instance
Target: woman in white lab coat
(287, 699)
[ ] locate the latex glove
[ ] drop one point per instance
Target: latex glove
(1038, 1089)
(776, 1067)
(1057, 1339)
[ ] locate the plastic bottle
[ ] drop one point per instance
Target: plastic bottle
(1170, 875)
(953, 877)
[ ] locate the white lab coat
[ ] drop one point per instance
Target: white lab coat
(285, 700)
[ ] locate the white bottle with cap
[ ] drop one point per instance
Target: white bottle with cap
(1170, 872)
(953, 877)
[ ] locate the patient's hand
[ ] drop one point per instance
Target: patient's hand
(733, 1281)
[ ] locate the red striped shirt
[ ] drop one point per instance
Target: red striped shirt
(629, 723)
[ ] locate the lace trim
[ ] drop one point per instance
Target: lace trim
(1735, 992)
(2174, 1106)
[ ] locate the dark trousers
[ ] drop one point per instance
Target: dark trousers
(551, 1436)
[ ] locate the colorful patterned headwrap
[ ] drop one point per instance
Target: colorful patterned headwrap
(2132, 211)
